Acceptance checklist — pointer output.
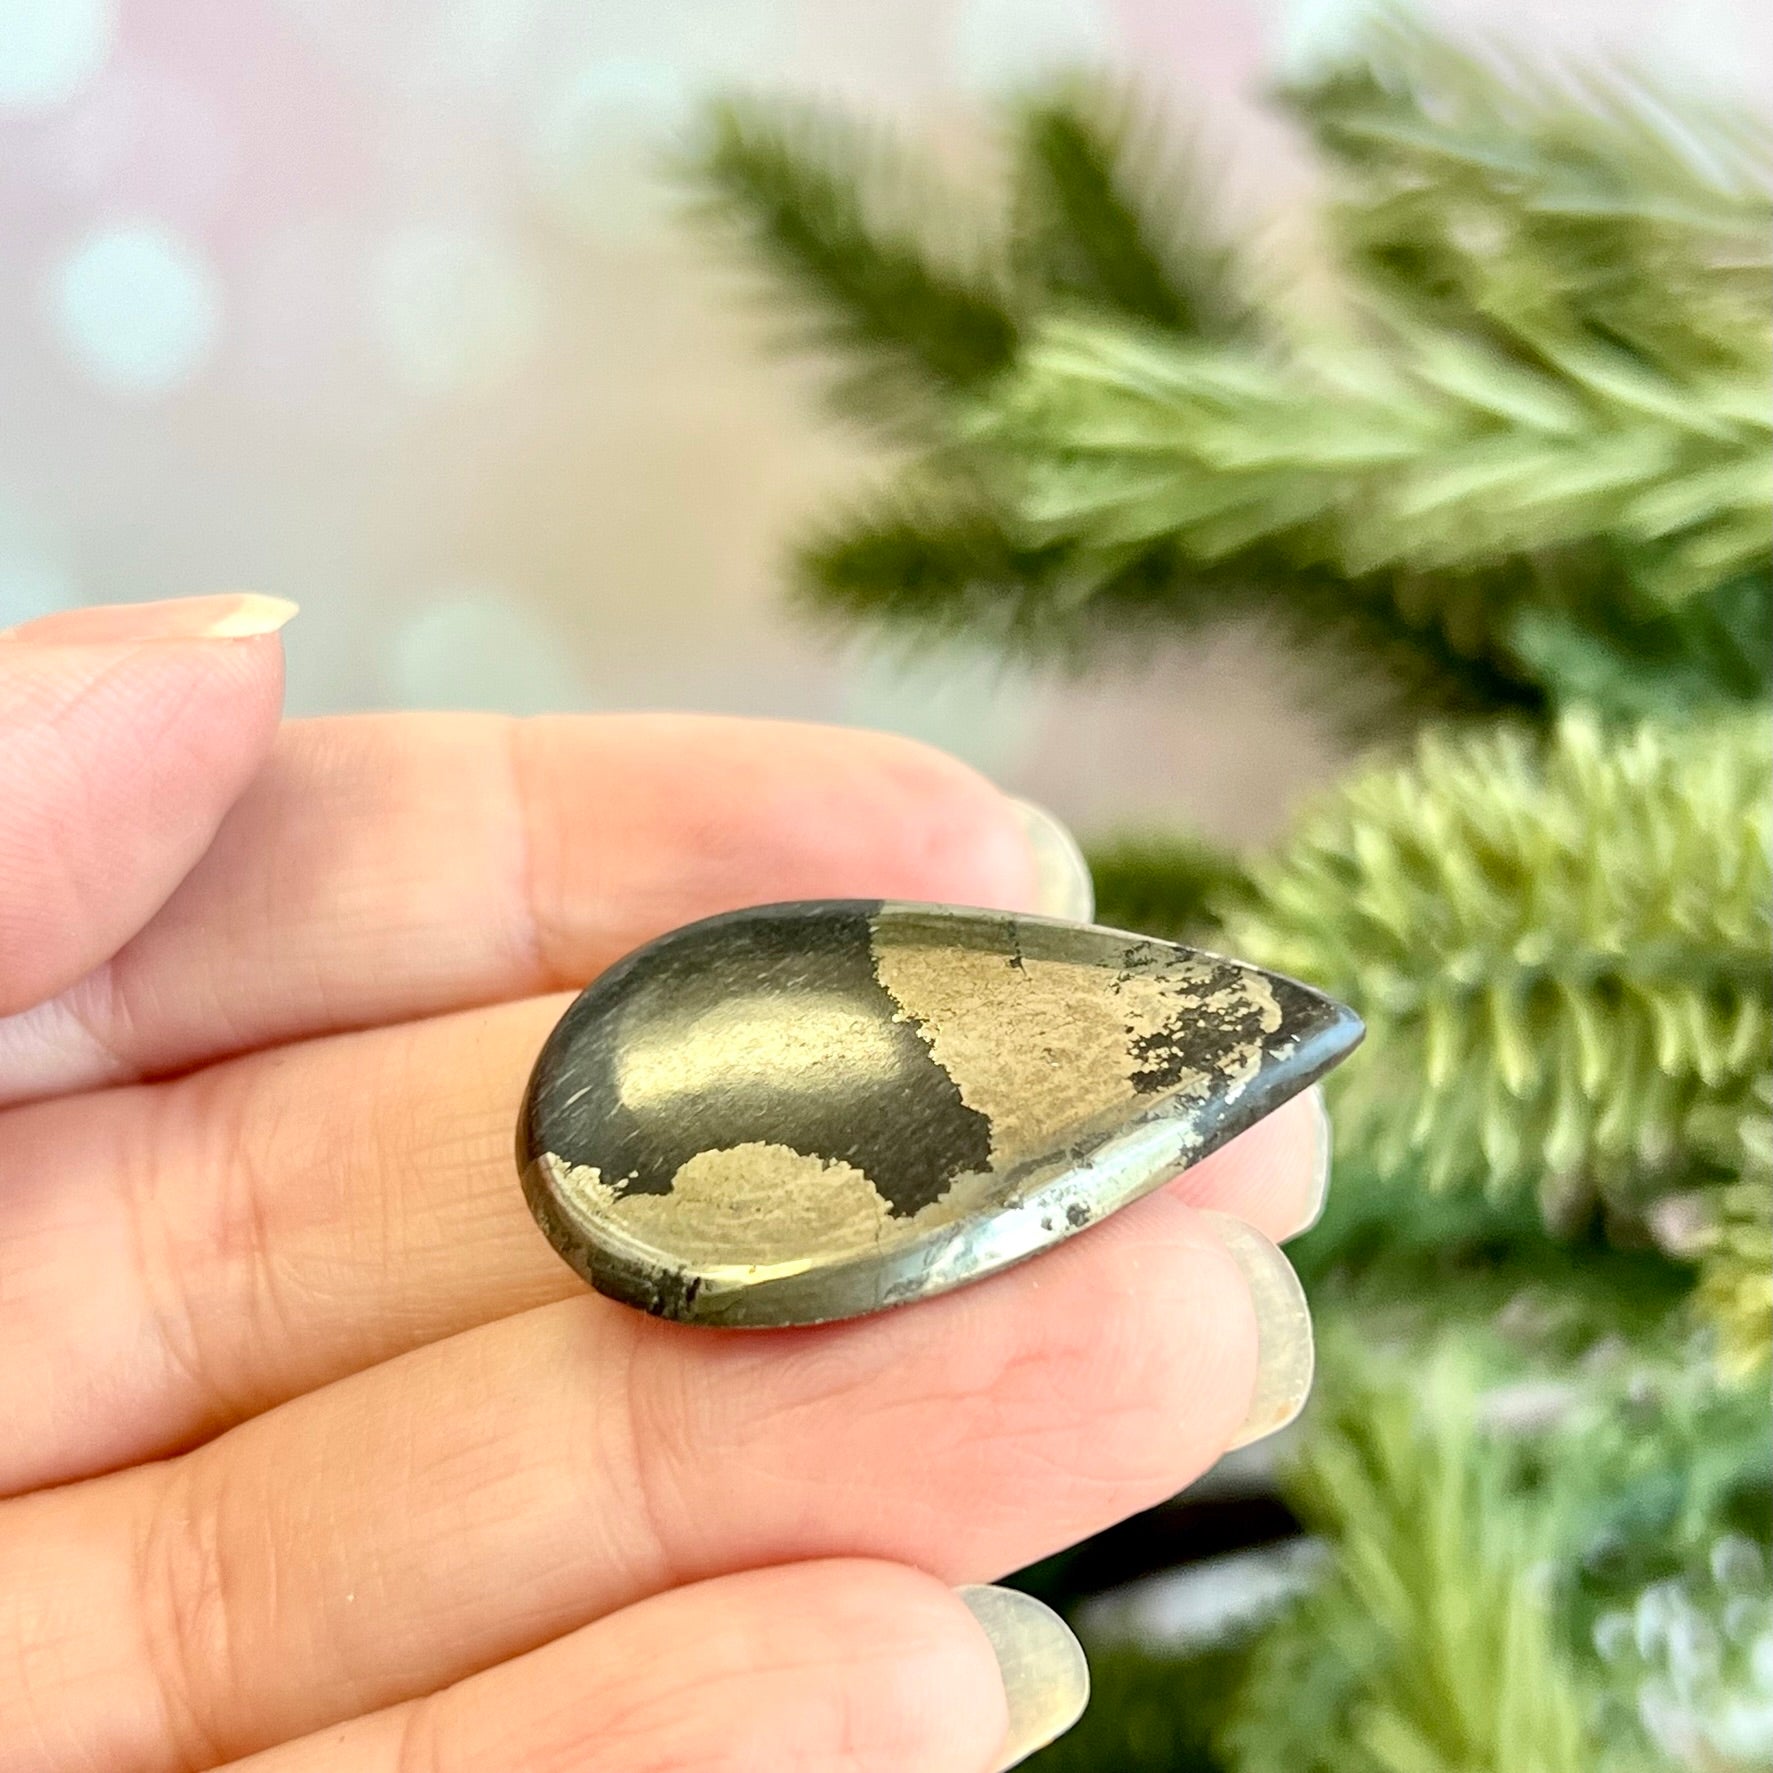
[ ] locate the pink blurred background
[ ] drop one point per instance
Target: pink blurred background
(382, 307)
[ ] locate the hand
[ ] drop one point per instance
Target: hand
(315, 1455)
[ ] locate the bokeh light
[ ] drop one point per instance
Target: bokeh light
(137, 308)
(49, 49)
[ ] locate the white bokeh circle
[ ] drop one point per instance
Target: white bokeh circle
(137, 308)
(49, 49)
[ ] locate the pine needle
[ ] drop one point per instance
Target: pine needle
(873, 263)
(1106, 217)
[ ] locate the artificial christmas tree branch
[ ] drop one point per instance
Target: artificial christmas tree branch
(1561, 946)
(1508, 196)
(1540, 473)
(1432, 1648)
(1107, 217)
(849, 230)
(1430, 454)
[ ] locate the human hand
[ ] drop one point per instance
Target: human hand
(317, 1457)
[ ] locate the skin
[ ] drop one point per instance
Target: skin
(316, 1456)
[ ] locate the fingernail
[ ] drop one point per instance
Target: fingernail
(1062, 876)
(234, 615)
(1045, 1677)
(1323, 1145)
(1285, 1356)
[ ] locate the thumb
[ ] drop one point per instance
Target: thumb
(126, 733)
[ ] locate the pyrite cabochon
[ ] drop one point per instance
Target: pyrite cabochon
(804, 1112)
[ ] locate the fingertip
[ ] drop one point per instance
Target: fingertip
(1286, 1351)
(1045, 1674)
(936, 1691)
(119, 756)
(865, 1663)
(229, 615)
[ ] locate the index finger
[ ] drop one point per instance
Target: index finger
(383, 868)
(125, 735)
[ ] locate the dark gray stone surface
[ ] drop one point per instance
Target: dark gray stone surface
(804, 1112)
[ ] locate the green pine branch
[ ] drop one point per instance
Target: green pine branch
(940, 556)
(1560, 947)
(1736, 1276)
(917, 296)
(1728, 1230)
(1633, 658)
(1541, 477)
(1501, 191)
(1106, 217)
(1433, 455)
(1430, 1648)
(1548, 1413)
(872, 261)
(936, 555)
(1180, 888)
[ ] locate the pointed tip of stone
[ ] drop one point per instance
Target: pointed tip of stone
(1315, 1035)
(1347, 1032)
(1335, 1031)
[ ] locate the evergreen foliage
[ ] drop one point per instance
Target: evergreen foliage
(1531, 466)
(1519, 473)
(1562, 946)
(1105, 218)
(1487, 190)
(1432, 1648)
(1425, 462)
(1175, 887)
(845, 222)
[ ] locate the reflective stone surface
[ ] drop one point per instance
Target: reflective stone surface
(805, 1112)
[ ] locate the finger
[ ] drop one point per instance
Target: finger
(835, 1667)
(262, 1228)
(125, 735)
(380, 1539)
(384, 868)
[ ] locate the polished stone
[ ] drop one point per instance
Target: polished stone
(805, 1112)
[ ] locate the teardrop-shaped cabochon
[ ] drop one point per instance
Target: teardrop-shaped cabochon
(804, 1112)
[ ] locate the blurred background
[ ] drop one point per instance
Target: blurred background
(385, 308)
